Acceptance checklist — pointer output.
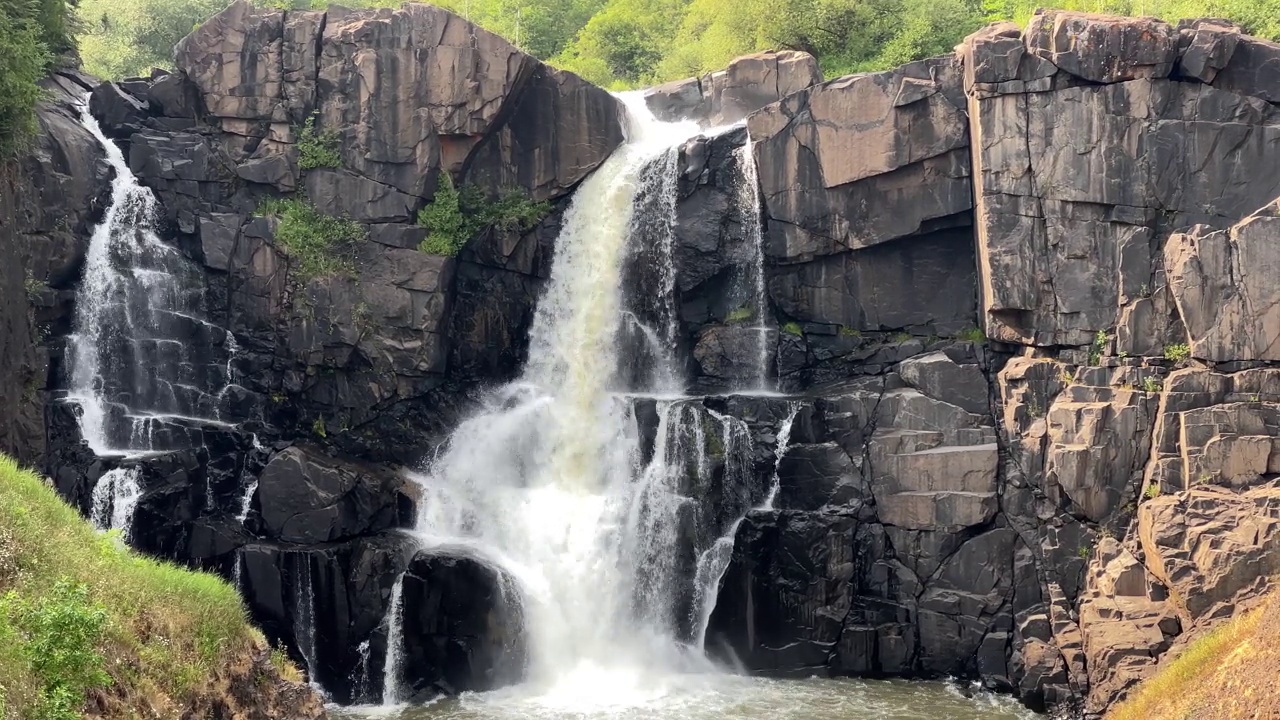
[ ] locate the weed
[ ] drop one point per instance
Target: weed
(1083, 551)
(1151, 385)
(318, 149)
(793, 328)
(972, 334)
(1151, 491)
(1098, 347)
(1144, 291)
(1177, 352)
(455, 216)
(321, 245)
(34, 288)
(901, 337)
(742, 314)
(317, 428)
(846, 331)
(60, 637)
(1067, 377)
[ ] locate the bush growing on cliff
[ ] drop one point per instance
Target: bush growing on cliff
(80, 613)
(32, 33)
(320, 245)
(455, 216)
(317, 149)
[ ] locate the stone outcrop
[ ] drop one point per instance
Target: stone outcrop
(727, 96)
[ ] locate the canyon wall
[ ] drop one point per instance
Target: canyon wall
(1018, 299)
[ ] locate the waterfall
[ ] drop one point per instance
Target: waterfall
(304, 616)
(545, 480)
(147, 369)
(750, 210)
(246, 500)
(391, 689)
(713, 563)
(115, 497)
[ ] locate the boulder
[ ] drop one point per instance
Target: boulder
(940, 377)
(304, 497)
(462, 628)
(1103, 49)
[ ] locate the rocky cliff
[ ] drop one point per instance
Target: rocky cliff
(1017, 297)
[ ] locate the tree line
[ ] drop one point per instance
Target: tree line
(617, 44)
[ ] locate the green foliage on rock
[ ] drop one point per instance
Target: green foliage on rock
(454, 216)
(1177, 352)
(741, 314)
(32, 34)
(81, 613)
(320, 245)
(316, 148)
(793, 328)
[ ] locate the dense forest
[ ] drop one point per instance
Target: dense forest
(615, 43)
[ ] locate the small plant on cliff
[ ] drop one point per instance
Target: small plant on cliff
(1151, 491)
(973, 335)
(793, 328)
(1098, 347)
(318, 429)
(317, 149)
(1150, 384)
(848, 332)
(741, 314)
(319, 244)
(455, 216)
(1177, 352)
(1083, 551)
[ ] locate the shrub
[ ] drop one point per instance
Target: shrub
(846, 331)
(455, 216)
(320, 244)
(742, 314)
(317, 149)
(23, 59)
(59, 638)
(793, 328)
(1098, 347)
(1150, 384)
(1177, 353)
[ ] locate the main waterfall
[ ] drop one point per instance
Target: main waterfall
(549, 481)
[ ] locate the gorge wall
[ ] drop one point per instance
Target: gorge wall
(1019, 300)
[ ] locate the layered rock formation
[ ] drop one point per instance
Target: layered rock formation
(1020, 298)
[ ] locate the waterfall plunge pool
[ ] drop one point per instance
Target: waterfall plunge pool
(713, 697)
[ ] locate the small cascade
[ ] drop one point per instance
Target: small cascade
(304, 616)
(713, 563)
(360, 676)
(246, 500)
(147, 368)
(237, 571)
(751, 211)
(392, 690)
(115, 497)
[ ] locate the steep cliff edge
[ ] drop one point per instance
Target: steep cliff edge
(90, 629)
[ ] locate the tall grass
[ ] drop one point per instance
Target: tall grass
(121, 625)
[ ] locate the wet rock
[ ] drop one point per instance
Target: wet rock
(304, 497)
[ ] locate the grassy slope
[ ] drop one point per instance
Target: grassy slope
(1232, 673)
(88, 626)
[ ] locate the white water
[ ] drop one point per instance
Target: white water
(115, 497)
(143, 359)
(304, 616)
(391, 690)
(547, 480)
(750, 210)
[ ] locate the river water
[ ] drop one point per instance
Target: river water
(721, 697)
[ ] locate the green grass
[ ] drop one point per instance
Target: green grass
(455, 216)
(793, 328)
(320, 245)
(742, 314)
(317, 149)
(972, 334)
(82, 613)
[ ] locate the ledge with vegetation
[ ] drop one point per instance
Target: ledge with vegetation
(90, 628)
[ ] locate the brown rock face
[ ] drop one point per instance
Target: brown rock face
(1226, 285)
(1076, 183)
(410, 92)
(727, 96)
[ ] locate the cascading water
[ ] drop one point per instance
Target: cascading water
(750, 210)
(547, 481)
(391, 693)
(146, 367)
(115, 496)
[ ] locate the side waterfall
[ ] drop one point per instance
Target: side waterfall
(143, 356)
(750, 210)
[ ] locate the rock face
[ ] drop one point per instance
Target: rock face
(727, 96)
(973, 277)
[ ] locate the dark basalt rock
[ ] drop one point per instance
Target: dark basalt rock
(462, 627)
